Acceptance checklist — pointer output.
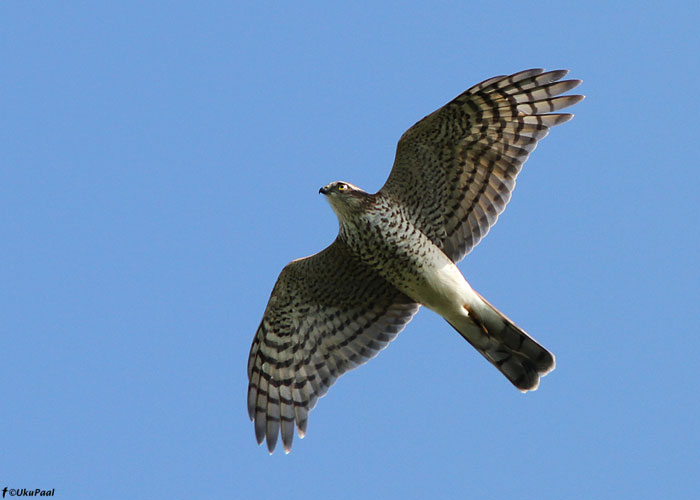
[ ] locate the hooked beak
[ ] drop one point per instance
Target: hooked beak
(323, 190)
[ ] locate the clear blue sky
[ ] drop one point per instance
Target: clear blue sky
(160, 164)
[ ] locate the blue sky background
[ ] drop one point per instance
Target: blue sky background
(160, 165)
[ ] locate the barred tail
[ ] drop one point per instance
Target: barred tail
(516, 355)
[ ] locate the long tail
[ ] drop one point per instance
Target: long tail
(516, 355)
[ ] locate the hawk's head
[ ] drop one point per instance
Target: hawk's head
(346, 199)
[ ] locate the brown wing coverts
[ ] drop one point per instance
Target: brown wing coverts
(455, 169)
(327, 314)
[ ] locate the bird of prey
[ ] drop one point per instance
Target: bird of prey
(396, 250)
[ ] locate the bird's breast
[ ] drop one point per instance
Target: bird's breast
(388, 242)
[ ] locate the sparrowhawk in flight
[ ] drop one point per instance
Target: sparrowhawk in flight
(396, 250)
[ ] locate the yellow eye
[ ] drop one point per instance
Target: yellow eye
(342, 187)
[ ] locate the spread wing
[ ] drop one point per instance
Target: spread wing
(327, 314)
(455, 169)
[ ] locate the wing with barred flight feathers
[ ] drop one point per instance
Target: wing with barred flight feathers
(455, 169)
(327, 314)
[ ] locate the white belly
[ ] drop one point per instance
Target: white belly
(411, 262)
(446, 291)
(443, 289)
